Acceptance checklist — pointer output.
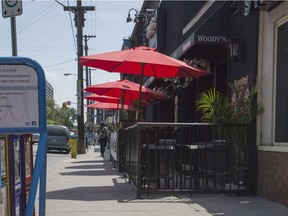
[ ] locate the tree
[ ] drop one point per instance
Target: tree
(60, 115)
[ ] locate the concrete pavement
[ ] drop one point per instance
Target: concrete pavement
(89, 185)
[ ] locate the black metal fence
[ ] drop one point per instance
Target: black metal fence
(187, 158)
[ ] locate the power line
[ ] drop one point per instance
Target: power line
(60, 69)
(59, 63)
(23, 22)
(72, 29)
(30, 21)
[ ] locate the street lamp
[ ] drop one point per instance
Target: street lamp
(70, 74)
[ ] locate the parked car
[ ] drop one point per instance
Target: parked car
(58, 138)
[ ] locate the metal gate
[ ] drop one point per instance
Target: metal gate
(187, 158)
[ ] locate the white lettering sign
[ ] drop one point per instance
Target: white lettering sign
(211, 39)
(18, 96)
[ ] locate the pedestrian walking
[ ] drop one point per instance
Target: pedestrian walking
(94, 138)
(103, 137)
(86, 139)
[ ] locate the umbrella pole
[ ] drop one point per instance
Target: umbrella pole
(140, 92)
(116, 120)
(122, 108)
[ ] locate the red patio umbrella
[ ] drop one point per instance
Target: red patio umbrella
(107, 99)
(125, 89)
(109, 106)
(143, 61)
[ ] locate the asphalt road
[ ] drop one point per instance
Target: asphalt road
(53, 157)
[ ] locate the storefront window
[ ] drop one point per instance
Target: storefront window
(281, 102)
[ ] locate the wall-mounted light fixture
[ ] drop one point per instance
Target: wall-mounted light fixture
(149, 13)
(236, 48)
(129, 19)
(141, 17)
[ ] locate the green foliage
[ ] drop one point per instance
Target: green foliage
(243, 110)
(214, 107)
(63, 116)
(237, 109)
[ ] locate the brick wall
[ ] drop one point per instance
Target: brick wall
(273, 176)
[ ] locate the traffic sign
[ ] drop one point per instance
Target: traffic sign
(11, 8)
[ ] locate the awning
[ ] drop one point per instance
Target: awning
(212, 31)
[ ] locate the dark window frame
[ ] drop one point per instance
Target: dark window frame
(281, 97)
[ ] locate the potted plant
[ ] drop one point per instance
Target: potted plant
(236, 111)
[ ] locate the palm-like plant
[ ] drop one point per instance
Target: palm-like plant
(237, 110)
(215, 107)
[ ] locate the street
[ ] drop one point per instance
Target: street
(53, 157)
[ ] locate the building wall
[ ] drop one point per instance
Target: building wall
(272, 156)
(49, 91)
(257, 30)
(273, 176)
(245, 28)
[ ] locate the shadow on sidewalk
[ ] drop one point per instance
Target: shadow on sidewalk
(96, 180)
(94, 168)
(112, 184)
(101, 193)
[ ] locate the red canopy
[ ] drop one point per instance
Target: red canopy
(109, 106)
(126, 89)
(142, 61)
(107, 99)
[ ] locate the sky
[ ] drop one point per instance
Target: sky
(47, 34)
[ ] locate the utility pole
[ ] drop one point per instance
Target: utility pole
(79, 11)
(88, 76)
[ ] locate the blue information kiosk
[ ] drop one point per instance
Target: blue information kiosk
(23, 111)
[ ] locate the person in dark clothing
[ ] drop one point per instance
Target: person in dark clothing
(103, 136)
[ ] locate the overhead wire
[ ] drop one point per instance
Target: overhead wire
(23, 22)
(94, 25)
(72, 29)
(29, 21)
(53, 65)
(60, 69)
(89, 24)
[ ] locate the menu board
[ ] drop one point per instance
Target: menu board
(18, 96)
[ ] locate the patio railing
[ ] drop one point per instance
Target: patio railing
(187, 158)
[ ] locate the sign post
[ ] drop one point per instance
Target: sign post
(12, 8)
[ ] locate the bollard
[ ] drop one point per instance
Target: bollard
(73, 148)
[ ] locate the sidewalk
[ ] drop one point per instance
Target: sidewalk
(89, 185)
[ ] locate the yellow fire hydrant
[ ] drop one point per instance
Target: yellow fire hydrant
(73, 142)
